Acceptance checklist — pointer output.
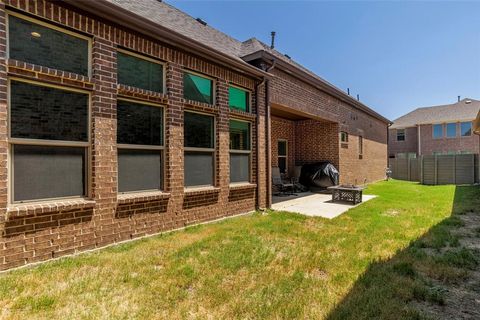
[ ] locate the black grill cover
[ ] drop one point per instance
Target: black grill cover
(320, 175)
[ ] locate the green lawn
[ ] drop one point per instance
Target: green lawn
(387, 258)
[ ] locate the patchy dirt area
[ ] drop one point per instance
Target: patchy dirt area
(458, 292)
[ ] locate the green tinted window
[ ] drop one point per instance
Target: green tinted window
(139, 73)
(36, 44)
(239, 135)
(197, 88)
(238, 99)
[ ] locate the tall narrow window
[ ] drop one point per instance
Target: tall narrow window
(437, 131)
(240, 150)
(466, 128)
(360, 147)
(197, 88)
(41, 44)
(343, 137)
(400, 134)
(49, 139)
(238, 99)
(451, 130)
(282, 156)
(141, 72)
(140, 146)
(199, 142)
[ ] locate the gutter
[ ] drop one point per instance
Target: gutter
(125, 18)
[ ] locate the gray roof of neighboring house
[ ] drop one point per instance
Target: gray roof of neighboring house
(464, 110)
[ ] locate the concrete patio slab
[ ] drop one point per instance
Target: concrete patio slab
(314, 204)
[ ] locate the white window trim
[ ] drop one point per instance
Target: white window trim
(404, 135)
(446, 130)
(443, 131)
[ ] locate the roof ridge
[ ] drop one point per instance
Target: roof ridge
(207, 25)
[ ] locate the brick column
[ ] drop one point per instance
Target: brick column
(223, 141)
(104, 139)
(3, 126)
(262, 178)
(174, 174)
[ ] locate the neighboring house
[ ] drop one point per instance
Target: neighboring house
(446, 129)
(127, 118)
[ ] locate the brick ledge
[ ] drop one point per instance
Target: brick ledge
(201, 190)
(24, 209)
(238, 186)
(142, 196)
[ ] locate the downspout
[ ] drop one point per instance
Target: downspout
(265, 82)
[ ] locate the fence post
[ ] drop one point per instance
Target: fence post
(409, 177)
(454, 169)
(435, 167)
(421, 169)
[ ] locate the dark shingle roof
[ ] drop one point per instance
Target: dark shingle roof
(170, 17)
(464, 110)
(173, 19)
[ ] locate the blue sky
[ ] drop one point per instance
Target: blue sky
(396, 55)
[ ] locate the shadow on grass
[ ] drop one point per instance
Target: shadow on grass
(435, 277)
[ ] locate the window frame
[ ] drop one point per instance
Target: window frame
(249, 93)
(145, 57)
(213, 150)
(443, 130)
(283, 156)
(214, 86)
(404, 135)
(249, 152)
(161, 148)
(446, 130)
(53, 27)
(471, 129)
(342, 134)
(87, 145)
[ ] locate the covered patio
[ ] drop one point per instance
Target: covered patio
(298, 138)
(314, 204)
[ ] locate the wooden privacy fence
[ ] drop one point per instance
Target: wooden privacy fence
(438, 169)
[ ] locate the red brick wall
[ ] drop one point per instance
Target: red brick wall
(283, 129)
(409, 145)
(316, 141)
(293, 93)
(36, 232)
(429, 145)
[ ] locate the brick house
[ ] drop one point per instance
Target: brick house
(445, 129)
(121, 119)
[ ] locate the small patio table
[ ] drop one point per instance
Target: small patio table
(347, 193)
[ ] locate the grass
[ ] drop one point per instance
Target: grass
(368, 263)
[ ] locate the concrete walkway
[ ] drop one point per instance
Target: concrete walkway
(314, 204)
